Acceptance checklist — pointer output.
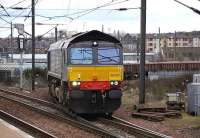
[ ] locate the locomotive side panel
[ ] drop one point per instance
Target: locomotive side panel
(56, 61)
(64, 66)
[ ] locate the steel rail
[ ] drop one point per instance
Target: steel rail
(40, 101)
(29, 128)
(56, 114)
(135, 129)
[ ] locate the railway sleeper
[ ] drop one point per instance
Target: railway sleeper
(150, 117)
(166, 114)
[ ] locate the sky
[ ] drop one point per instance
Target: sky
(166, 14)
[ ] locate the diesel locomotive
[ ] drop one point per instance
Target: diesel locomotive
(85, 72)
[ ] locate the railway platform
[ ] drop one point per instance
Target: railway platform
(9, 131)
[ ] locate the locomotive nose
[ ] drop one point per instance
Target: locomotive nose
(94, 78)
(95, 73)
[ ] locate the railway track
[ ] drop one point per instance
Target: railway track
(32, 130)
(121, 128)
(137, 131)
(56, 112)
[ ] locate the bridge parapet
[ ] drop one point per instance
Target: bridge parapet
(164, 66)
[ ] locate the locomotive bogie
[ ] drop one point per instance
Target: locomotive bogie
(94, 102)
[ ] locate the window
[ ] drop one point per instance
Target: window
(185, 39)
(129, 57)
(108, 55)
(81, 55)
(150, 39)
(150, 44)
(185, 44)
(150, 49)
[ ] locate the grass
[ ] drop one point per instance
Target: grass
(187, 121)
(129, 99)
(159, 88)
(155, 97)
(38, 72)
(130, 95)
(155, 91)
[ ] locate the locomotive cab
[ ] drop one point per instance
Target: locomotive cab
(95, 75)
(92, 73)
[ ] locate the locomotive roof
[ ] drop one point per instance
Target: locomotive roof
(93, 35)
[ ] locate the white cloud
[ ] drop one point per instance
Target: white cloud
(167, 14)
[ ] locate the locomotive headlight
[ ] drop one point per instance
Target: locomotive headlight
(94, 44)
(112, 83)
(74, 83)
(116, 83)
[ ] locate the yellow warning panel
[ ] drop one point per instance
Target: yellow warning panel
(95, 73)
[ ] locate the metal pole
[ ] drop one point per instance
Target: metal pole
(159, 45)
(175, 46)
(56, 34)
(33, 45)
(11, 40)
(21, 70)
(137, 48)
(142, 53)
(159, 39)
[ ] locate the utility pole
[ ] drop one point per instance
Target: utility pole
(159, 45)
(159, 39)
(56, 34)
(11, 40)
(33, 44)
(175, 46)
(142, 52)
(138, 47)
(21, 48)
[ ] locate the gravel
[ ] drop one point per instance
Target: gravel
(41, 93)
(119, 132)
(161, 127)
(53, 126)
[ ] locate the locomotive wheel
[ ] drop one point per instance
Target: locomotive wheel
(51, 89)
(60, 95)
(65, 96)
(108, 115)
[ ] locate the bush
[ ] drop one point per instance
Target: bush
(39, 72)
(158, 88)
